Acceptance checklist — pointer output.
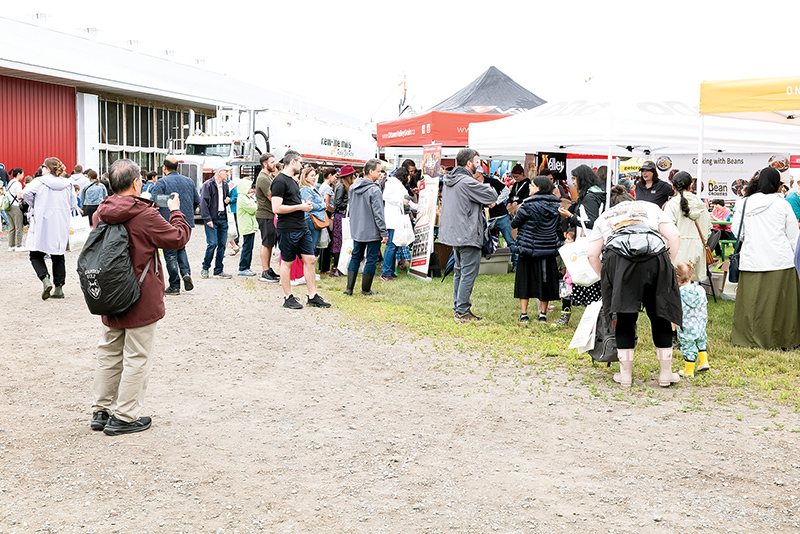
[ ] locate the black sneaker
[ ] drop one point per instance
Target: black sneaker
(542, 318)
(172, 291)
(267, 277)
(99, 420)
(291, 303)
(116, 427)
(187, 282)
(275, 276)
(317, 302)
(523, 318)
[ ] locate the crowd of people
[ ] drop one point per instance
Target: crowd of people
(647, 247)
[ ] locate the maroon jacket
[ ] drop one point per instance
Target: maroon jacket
(147, 231)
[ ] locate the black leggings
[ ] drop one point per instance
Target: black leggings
(59, 267)
(626, 328)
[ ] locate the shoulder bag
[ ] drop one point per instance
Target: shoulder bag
(709, 254)
(733, 261)
(319, 224)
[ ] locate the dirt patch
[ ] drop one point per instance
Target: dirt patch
(272, 420)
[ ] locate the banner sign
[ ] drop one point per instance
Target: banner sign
(724, 175)
(426, 211)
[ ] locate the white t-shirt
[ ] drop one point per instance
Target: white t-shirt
(221, 201)
(626, 214)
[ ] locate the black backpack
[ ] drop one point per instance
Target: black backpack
(605, 340)
(105, 271)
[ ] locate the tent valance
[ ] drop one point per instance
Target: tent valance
(768, 99)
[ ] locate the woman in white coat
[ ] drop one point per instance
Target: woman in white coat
(394, 193)
(767, 313)
(51, 198)
(685, 210)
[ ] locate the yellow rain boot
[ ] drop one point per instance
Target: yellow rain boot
(688, 370)
(702, 361)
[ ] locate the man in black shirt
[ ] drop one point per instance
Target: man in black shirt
(294, 237)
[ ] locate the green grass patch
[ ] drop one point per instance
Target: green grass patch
(418, 308)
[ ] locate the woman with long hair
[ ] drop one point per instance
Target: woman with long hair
(51, 199)
(340, 201)
(691, 216)
(582, 214)
(328, 178)
(767, 312)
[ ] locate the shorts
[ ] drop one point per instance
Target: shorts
(295, 244)
(268, 234)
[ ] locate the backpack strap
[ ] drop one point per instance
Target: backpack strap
(147, 268)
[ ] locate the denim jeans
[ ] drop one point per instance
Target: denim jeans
(373, 250)
(504, 225)
(314, 233)
(389, 255)
(467, 265)
(247, 251)
(216, 239)
(177, 266)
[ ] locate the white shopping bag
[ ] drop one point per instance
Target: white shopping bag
(404, 236)
(584, 336)
(233, 232)
(79, 229)
(577, 263)
(344, 257)
(346, 229)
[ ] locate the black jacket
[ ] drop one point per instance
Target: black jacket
(592, 203)
(538, 222)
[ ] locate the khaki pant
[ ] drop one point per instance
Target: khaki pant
(123, 370)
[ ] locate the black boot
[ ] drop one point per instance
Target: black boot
(366, 285)
(351, 283)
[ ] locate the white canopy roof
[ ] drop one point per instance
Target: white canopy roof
(626, 128)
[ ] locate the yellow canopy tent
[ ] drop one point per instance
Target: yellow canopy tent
(767, 99)
(775, 100)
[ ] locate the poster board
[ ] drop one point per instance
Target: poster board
(426, 212)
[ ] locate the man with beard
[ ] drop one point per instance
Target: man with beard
(265, 216)
(294, 237)
(462, 225)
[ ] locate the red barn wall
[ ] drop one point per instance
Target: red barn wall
(37, 121)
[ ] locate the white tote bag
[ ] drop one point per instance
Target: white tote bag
(345, 254)
(233, 232)
(78, 232)
(575, 256)
(584, 337)
(404, 236)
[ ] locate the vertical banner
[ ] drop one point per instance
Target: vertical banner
(426, 211)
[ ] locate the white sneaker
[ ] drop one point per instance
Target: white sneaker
(11, 249)
(21, 249)
(316, 277)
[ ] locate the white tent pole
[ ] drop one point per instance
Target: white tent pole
(608, 177)
(703, 193)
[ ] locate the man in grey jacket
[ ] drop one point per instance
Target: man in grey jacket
(367, 227)
(462, 225)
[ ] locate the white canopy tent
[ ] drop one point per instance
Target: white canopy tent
(627, 128)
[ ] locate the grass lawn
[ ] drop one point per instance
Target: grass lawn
(422, 308)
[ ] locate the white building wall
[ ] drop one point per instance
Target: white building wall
(88, 126)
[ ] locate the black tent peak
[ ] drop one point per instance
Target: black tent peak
(491, 93)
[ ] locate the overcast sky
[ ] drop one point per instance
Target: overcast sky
(351, 55)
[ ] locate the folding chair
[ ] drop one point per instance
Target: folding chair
(713, 239)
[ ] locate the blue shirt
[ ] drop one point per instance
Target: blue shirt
(187, 192)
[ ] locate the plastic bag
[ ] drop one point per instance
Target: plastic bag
(404, 236)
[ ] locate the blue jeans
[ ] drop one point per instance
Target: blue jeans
(373, 250)
(504, 225)
(389, 255)
(177, 266)
(314, 232)
(246, 258)
(216, 239)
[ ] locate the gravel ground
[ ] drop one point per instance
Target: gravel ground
(273, 420)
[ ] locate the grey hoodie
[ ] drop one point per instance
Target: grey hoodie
(366, 212)
(462, 223)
